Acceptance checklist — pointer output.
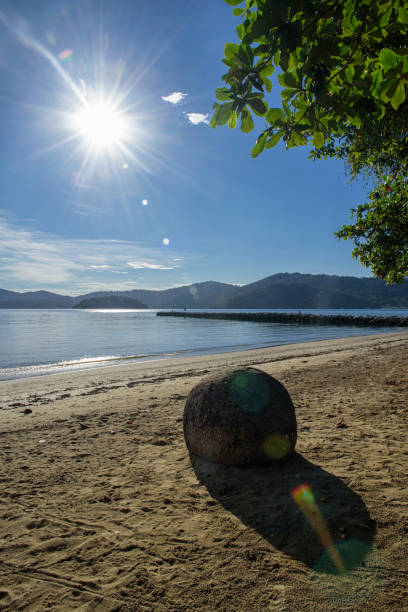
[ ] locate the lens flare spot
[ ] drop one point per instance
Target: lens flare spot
(65, 55)
(249, 391)
(303, 495)
(166, 241)
(276, 446)
(145, 202)
(193, 291)
(125, 166)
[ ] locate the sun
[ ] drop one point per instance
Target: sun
(101, 125)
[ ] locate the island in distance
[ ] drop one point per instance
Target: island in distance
(110, 301)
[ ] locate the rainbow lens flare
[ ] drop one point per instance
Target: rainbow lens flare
(304, 498)
(65, 55)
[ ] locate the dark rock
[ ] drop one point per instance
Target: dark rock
(241, 417)
(27, 411)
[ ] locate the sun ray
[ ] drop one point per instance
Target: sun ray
(53, 147)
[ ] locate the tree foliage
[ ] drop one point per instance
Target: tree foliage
(342, 66)
(380, 230)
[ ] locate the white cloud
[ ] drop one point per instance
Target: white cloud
(30, 259)
(137, 265)
(175, 97)
(118, 272)
(197, 118)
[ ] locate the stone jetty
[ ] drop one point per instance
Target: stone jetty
(295, 318)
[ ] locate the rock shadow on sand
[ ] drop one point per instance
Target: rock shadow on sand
(262, 499)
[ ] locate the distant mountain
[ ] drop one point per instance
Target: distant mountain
(34, 299)
(277, 291)
(110, 301)
(318, 291)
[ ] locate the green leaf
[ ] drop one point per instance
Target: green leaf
(299, 139)
(241, 31)
(266, 72)
(238, 12)
(268, 84)
(247, 123)
(223, 94)
(399, 96)
(258, 106)
(260, 145)
(273, 140)
(376, 83)
(385, 18)
(233, 2)
(245, 54)
(232, 121)
(284, 60)
(274, 114)
(318, 139)
(349, 72)
(221, 115)
(388, 59)
(403, 15)
(230, 50)
(287, 80)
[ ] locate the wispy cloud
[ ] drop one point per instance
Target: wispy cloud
(150, 266)
(174, 98)
(197, 118)
(30, 259)
(88, 209)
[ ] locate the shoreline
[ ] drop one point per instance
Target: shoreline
(65, 388)
(90, 364)
(103, 509)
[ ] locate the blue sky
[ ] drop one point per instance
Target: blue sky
(162, 199)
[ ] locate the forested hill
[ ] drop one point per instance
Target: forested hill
(318, 291)
(277, 291)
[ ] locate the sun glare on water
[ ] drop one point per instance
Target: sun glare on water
(101, 125)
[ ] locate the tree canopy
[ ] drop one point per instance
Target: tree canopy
(342, 67)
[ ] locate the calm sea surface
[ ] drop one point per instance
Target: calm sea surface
(36, 342)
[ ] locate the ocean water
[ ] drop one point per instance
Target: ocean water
(37, 342)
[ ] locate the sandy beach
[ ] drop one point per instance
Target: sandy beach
(102, 508)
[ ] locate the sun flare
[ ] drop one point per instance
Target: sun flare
(101, 125)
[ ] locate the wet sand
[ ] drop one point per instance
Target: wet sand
(103, 509)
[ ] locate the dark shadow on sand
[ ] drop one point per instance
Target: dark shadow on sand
(261, 499)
